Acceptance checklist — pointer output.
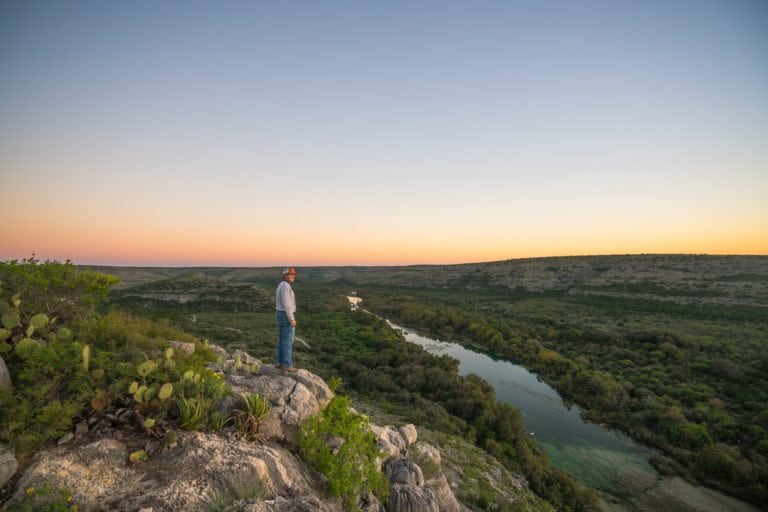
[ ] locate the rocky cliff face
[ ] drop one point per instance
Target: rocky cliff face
(192, 470)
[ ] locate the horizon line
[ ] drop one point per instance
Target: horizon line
(395, 265)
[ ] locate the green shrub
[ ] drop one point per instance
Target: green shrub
(55, 288)
(55, 379)
(49, 388)
(143, 369)
(350, 468)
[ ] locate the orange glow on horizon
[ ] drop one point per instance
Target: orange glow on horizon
(183, 254)
(101, 241)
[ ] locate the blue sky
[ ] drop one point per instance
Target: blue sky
(382, 132)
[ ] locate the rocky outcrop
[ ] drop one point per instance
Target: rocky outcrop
(390, 440)
(443, 494)
(408, 498)
(191, 469)
(294, 397)
(184, 477)
(410, 490)
(408, 433)
(404, 471)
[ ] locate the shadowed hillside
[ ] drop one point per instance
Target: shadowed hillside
(729, 280)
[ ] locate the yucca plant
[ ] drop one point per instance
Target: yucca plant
(254, 408)
(257, 405)
(193, 412)
(217, 421)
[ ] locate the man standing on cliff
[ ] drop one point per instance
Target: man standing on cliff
(285, 309)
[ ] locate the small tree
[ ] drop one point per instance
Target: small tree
(54, 288)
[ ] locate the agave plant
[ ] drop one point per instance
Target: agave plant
(248, 418)
(193, 412)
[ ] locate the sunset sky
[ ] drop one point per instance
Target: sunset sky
(257, 133)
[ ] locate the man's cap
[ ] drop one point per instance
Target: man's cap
(289, 270)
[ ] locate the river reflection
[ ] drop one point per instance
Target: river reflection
(601, 458)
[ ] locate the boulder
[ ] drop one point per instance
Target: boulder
(409, 498)
(5, 375)
(253, 364)
(441, 490)
(184, 477)
(315, 384)
(409, 434)
(220, 352)
(370, 503)
(292, 402)
(390, 441)
(409, 492)
(8, 464)
(92, 473)
(236, 362)
(404, 471)
(434, 479)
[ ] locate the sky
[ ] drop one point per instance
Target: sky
(255, 133)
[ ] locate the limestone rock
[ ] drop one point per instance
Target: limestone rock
(253, 363)
(428, 452)
(371, 503)
(291, 401)
(390, 440)
(182, 346)
(315, 384)
(441, 490)
(91, 472)
(404, 471)
(8, 464)
(5, 376)
(409, 498)
(219, 351)
(409, 434)
(183, 478)
(188, 473)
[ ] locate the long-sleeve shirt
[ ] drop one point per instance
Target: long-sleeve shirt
(285, 300)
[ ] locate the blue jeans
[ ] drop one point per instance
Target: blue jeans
(285, 341)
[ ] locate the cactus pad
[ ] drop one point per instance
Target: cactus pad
(166, 391)
(10, 319)
(39, 321)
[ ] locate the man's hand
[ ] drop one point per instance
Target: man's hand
(293, 323)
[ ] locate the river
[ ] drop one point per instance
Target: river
(601, 458)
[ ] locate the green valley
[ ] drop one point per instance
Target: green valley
(671, 349)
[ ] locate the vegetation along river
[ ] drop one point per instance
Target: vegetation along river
(601, 458)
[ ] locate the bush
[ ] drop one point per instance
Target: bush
(49, 388)
(55, 288)
(58, 372)
(350, 467)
